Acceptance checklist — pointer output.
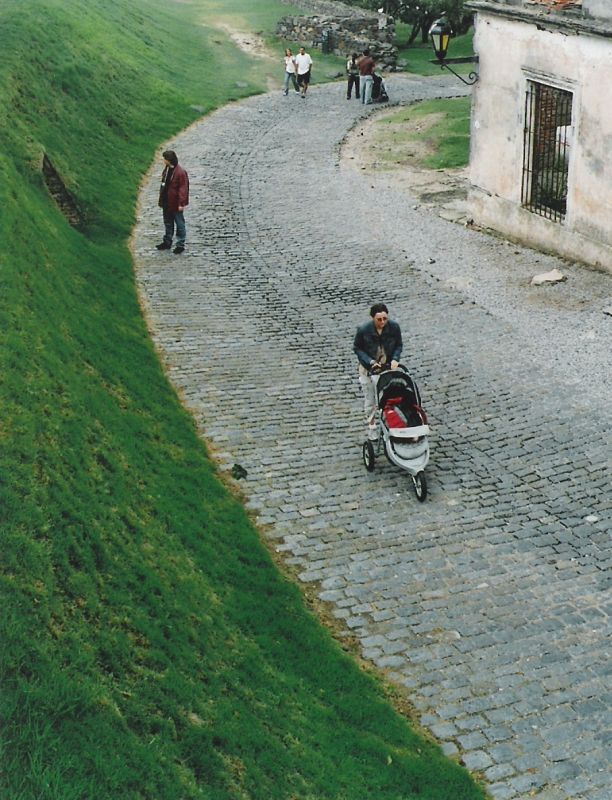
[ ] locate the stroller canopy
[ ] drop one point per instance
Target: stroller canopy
(397, 383)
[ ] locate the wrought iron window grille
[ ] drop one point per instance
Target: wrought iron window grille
(547, 140)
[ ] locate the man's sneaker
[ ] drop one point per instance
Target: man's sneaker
(178, 250)
(163, 246)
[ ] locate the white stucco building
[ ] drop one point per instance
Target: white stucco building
(541, 151)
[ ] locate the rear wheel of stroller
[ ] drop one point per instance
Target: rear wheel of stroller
(420, 486)
(369, 458)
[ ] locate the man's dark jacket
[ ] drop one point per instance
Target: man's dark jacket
(367, 342)
(177, 191)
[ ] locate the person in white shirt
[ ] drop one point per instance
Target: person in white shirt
(352, 70)
(290, 72)
(304, 64)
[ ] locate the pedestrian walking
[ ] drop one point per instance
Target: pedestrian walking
(304, 66)
(290, 72)
(352, 71)
(366, 72)
(173, 198)
(377, 344)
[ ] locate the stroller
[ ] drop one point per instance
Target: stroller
(402, 428)
(379, 93)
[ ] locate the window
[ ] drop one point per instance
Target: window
(546, 150)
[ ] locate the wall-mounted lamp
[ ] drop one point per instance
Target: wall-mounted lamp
(440, 34)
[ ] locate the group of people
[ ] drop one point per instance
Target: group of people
(297, 71)
(174, 189)
(359, 69)
(378, 342)
(360, 72)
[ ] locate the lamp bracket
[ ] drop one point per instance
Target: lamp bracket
(445, 62)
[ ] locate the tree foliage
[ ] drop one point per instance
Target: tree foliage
(421, 14)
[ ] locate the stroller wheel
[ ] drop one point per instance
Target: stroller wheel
(369, 458)
(420, 486)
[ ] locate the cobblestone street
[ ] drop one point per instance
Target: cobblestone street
(490, 602)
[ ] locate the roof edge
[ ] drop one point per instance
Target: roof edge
(544, 19)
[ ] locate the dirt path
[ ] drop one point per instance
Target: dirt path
(254, 45)
(247, 41)
(370, 147)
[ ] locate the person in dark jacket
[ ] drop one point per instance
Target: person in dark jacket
(173, 197)
(378, 344)
(352, 71)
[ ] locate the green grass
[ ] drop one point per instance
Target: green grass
(418, 56)
(447, 139)
(149, 646)
(261, 16)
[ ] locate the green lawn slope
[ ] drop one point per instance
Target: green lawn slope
(148, 646)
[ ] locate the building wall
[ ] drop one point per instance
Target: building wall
(512, 52)
(599, 9)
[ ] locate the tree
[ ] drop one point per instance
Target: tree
(421, 14)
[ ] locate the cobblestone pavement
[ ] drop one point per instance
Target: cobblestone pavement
(489, 602)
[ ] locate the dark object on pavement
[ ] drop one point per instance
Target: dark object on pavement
(379, 93)
(238, 472)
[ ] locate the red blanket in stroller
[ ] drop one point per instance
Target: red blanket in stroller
(397, 417)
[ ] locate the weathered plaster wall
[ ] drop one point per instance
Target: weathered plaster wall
(601, 9)
(510, 53)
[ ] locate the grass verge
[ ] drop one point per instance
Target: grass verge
(149, 647)
(441, 128)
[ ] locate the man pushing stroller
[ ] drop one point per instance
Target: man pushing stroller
(378, 345)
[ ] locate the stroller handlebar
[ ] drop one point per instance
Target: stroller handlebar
(378, 369)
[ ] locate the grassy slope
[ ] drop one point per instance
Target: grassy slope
(149, 648)
(261, 16)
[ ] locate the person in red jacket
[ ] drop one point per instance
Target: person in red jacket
(173, 197)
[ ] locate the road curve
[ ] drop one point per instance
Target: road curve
(490, 602)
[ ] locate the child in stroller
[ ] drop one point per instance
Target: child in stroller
(403, 428)
(379, 93)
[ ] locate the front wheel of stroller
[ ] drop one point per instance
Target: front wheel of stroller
(420, 486)
(369, 458)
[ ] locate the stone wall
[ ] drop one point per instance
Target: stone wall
(342, 35)
(330, 8)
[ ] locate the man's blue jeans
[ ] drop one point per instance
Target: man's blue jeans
(367, 83)
(170, 220)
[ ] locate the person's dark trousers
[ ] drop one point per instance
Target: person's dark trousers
(353, 80)
(170, 220)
